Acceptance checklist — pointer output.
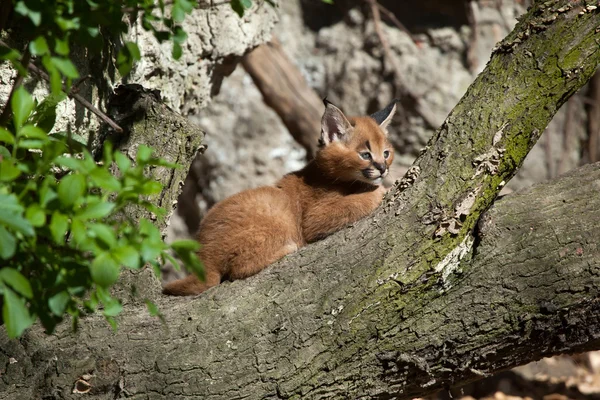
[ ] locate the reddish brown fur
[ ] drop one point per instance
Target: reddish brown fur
(246, 232)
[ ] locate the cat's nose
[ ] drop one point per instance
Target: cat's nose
(380, 167)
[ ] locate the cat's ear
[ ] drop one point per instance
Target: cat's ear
(334, 124)
(384, 117)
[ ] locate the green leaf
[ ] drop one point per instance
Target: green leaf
(103, 232)
(128, 256)
(58, 303)
(34, 16)
(61, 47)
(93, 31)
(58, 227)
(163, 163)
(151, 249)
(33, 132)
(191, 262)
(151, 187)
(92, 303)
(31, 144)
(112, 309)
(39, 46)
(8, 244)
(189, 245)
(240, 6)
(70, 162)
(171, 259)
(36, 215)
(97, 210)
(67, 23)
(177, 12)
(152, 308)
(122, 161)
(22, 105)
(6, 53)
(155, 267)
(11, 203)
(9, 171)
(126, 57)
(71, 188)
(105, 180)
(47, 194)
(179, 35)
(177, 51)
(4, 152)
(112, 322)
(45, 112)
(187, 5)
(148, 229)
(55, 78)
(6, 136)
(107, 153)
(15, 222)
(17, 281)
(79, 232)
(134, 50)
(66, 67)
(144, 153)
(104, 270)
(15, 314)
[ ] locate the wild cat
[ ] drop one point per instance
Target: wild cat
(246, 232)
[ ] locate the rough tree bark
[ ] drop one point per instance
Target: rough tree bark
(424, 294)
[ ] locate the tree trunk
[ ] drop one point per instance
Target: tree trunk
(420, 296)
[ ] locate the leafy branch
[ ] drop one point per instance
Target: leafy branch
(63, 235)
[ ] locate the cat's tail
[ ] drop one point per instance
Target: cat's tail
(187, 286)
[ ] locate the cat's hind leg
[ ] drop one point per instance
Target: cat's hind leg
(248, 261)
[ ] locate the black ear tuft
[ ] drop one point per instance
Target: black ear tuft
(334, 124)
(382, 115)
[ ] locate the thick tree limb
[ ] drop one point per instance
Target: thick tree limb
(530, 290)
(146, 119)
(406, 302)
(285, 90)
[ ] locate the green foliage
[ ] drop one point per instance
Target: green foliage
(55, 25)
(64, 228)
(240, 6)
(65, 231)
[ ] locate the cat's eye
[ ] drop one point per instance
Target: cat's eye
(365, 155)
(386, 154)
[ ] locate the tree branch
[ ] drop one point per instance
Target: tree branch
(285, 90)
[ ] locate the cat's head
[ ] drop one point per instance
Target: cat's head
(357, 148)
